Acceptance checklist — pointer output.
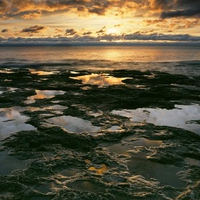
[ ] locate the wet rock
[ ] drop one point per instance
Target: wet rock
(36, 140)
(122, 159)
(192, 192)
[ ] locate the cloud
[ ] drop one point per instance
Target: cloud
(99, 7)
(117, 25)
(177, 8)
(162, 37)
(4, 7)
(32, 15)
(149, 22)
(87, 33)
(160, 4)
(33, 29)
(33, 9)
(102, 30)
(4, 30)
(29, 9)
(57, 30)
(193, 12)
(172, 24)
(70, 32)
(89, 39)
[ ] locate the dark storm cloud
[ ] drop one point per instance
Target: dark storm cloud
(177, 8)
(195, 12)
(33, 29)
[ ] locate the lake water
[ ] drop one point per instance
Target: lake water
(173, 59)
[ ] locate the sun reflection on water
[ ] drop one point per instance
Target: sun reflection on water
(102, 80)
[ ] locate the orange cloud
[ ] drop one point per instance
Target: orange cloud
(33, 29)
(32, 15)
(70, 32)
(29, 9)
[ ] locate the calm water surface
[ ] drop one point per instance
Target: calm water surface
(174, 59)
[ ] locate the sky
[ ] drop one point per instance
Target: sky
(99, 21)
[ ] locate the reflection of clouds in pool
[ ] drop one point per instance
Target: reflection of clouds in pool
(40, 73)
(74, 124)
(177, 117)
(8, 89)
(11, 121)
(101, 80)
(6, 71)
(43, 94)
(128, 145)
(74, 72)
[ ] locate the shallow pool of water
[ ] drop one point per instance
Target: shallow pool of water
(128, 144)
(102, 80)
(12, 121)
(164, 173)
(181, 116)
(74, 124)
(10, 163)
(43, 94)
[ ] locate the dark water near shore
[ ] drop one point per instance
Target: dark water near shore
(173, 59)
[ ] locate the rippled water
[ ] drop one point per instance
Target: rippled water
(174, 59)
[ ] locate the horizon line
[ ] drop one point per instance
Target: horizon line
(178, 43)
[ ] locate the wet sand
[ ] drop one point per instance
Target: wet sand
(118, 134)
